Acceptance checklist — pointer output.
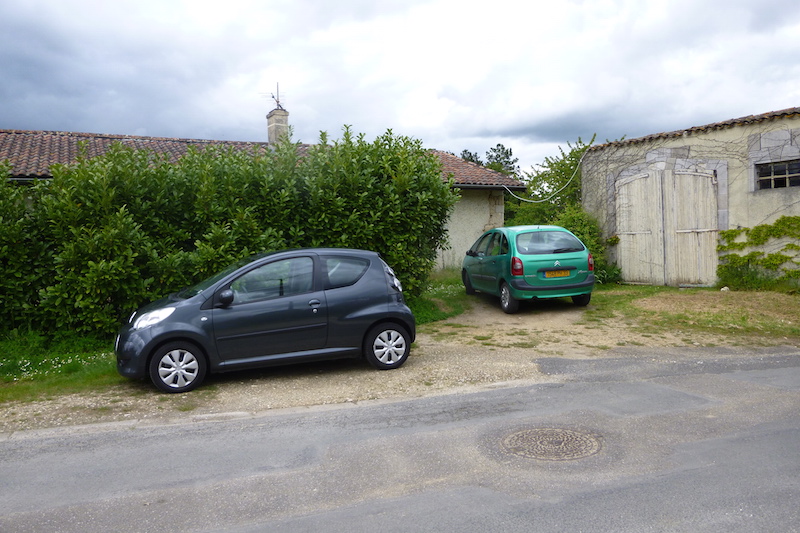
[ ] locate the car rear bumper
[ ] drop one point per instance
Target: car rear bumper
(522, 290)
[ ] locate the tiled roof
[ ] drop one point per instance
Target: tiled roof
(33, 152)
(750, 119)
(472, 176)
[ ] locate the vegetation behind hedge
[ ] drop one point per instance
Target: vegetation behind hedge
(555, 198)
(107, 234)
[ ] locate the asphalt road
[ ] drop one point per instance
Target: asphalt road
(706, 441)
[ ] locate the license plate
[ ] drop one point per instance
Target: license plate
(556, 274)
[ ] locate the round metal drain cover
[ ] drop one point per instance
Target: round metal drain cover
(552, 444)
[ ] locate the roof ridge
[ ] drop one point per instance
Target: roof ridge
(90, 135)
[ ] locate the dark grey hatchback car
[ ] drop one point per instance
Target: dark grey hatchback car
(283, 307)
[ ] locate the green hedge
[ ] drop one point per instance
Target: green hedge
(109, 233)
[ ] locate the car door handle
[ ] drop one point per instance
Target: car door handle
(314, 304)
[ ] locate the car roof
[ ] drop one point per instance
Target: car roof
(289, 252)
(519, 229)
(323, 251)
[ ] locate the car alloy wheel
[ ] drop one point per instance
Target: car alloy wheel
(177, 367)
(387, 346)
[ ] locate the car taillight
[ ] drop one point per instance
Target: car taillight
(516, 267)
(591, 263)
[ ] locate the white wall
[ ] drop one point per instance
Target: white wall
(476, 211)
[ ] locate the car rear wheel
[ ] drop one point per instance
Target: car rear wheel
(387, 346)
(177, 367)
(467, 283)
(582, 299)
(508, 303)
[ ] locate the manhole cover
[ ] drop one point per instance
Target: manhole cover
(552, 444)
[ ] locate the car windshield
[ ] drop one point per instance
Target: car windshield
(194, 290)
(547, 242)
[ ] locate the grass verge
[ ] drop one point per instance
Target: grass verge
(36, 366)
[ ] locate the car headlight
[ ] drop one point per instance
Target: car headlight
(152, 318)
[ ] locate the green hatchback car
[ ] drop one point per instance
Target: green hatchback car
(528, 262)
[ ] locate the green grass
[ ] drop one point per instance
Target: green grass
(444, 298)
(33, 365)
(745, 316)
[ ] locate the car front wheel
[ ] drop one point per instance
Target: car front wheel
(386, 346)
(177, 367)
(508, 303)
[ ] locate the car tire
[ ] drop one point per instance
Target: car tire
(582, 300)
(467, 283)
(178, 367)
(508, 303)
(387, 346)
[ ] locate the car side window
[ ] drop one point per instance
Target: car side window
(343, 271)
(499, 245)
(480, 246)
(275, 280)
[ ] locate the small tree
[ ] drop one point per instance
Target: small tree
(555, 198)
(502, 160)
(498, 158)
(553, 187)
(472, 157)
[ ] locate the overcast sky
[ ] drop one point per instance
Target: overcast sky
(456, 74)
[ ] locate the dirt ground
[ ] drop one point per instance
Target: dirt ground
(481, 348)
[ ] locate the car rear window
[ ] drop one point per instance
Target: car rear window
(344, 271)
(548, 242)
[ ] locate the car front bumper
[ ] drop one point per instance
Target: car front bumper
(131, 349)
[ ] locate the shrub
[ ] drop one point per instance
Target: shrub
(109, 233)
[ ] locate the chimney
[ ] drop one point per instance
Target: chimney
(277, 125)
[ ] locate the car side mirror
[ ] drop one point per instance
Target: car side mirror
(225, 298)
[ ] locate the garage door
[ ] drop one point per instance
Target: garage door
(667, 226)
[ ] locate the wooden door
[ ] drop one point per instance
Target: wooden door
(690, 214)
(667, 226)
(640, 229)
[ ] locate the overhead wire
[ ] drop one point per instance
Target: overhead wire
(577, 168)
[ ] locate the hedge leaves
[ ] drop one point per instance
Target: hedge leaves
(108, 234)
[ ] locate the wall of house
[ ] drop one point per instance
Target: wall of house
(728, 157)
(476, 211)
